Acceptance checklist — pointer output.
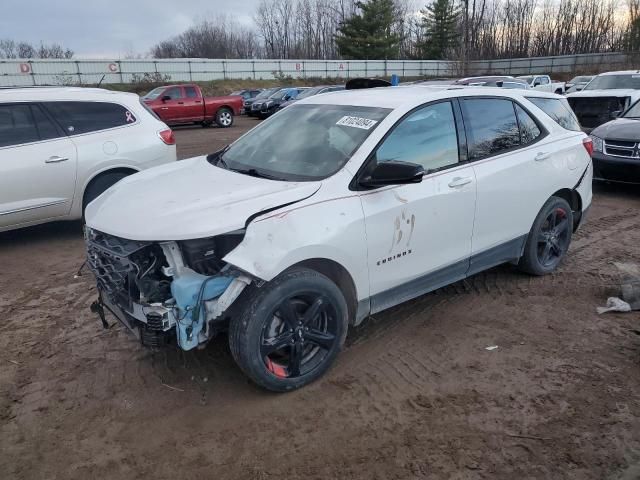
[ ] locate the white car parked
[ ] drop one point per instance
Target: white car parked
(62, 147)
(544, 83)
(376, 197)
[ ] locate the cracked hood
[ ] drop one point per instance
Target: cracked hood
(186, 200)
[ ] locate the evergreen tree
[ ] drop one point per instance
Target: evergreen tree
(440, 29)
(369, 34)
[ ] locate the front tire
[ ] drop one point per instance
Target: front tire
(549, 238)
(224, 118)
(290, 330)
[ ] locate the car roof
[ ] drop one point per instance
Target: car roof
(621, 72)
(60, 93)
(415, 95)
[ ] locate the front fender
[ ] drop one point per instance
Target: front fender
(329, 229)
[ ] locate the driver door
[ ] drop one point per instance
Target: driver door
(419, 235)
(173, 110)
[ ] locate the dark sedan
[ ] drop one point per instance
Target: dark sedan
(264, 108)
(616, 152)
(310, 92)
(264, 94)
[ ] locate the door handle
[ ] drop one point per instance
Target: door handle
(56, 159)
(460, 182)
(180, 103)
(542, 156)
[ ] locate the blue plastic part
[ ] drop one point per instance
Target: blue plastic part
(186, 290)
(395, 80)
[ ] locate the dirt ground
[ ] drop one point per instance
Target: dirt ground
(415, 394)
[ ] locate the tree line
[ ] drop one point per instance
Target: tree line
(12, 49)
(399, 29)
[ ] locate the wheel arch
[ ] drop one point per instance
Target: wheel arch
(574, 200)
(338, 275)
(97, 175)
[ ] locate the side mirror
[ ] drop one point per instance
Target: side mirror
(615, 114)
(393, 173)
(537, 83)
(166, 98)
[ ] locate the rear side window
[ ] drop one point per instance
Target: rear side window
(84, 117)
(559, 110)
(491, 126)
(529, 129)
(46, 128)
(191, 92)
(17, 125)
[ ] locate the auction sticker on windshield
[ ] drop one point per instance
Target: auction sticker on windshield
(357, 122)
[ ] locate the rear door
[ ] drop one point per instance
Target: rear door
(511, 159)
(193, 105)
(419, 235)
(37, 166)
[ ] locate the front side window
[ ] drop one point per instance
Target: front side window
(559, 110)
(83, 117)
(427, 137)
(17, 125)
(491, 126)
(320, 140)
(173, 93)
(543, 80)
(529, 129)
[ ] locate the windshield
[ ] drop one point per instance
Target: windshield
(526, 79)
(267, 93)
(320, 139)
(633, 111)
(607, 82)
(281, 94)
(310, 92)
(580, 79)
(153, 94)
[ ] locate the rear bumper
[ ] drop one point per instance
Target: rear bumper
(615, 169)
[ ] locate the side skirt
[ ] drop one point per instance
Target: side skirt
(507, 252)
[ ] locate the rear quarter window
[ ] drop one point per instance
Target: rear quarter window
(84, 117)
(559, 110)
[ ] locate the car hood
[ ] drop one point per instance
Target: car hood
(619, 129)
(614, 92)
(187, 200)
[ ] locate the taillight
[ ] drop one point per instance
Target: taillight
(588, 145)
(167, 136)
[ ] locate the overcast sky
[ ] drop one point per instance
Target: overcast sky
(110, 28)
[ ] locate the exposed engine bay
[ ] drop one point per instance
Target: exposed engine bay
(153, 287)
(595, 111)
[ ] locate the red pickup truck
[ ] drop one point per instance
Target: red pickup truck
(176, 104)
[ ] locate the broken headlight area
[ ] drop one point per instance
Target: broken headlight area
(165, 292)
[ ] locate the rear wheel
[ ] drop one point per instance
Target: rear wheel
(290, 331)
(549, 238)
(224, 118)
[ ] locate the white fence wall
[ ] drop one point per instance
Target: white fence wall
(68, 72)
(73, 72)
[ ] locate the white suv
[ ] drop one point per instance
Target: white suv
(62, 147)
(374, 197)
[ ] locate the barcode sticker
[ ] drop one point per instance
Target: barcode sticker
(356, 122)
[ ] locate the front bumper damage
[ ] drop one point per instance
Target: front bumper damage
(161, 300)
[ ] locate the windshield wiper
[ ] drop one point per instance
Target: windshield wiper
(255, 173)
(216, 158)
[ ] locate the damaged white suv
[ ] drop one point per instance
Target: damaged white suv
(339, 206)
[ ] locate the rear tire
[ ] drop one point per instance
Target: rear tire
(98, 185)
(289, 332)
(224, 118)
(549, 238)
